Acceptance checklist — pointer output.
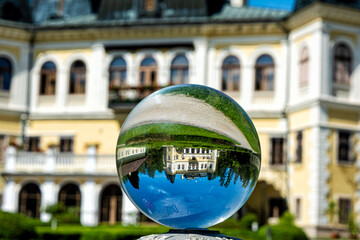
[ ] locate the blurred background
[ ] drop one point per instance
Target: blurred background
(72, 70)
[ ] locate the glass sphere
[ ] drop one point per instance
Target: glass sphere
(188, 156)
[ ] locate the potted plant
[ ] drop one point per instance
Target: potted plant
(332, 212)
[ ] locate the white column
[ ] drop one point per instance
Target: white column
(10, 197)
(282, 83)
(19, 80)
(129, 211)
(89, 204)
(62, 88)
(95, 97)
(10, 159)
(319, 175)
(50, 160)
(163, 70)
(91, 159)
(356, 73)
(213, 78)
(201, 46)
(247, 84)
(48, 197)
(326, 68)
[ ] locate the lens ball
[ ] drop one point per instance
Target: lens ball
(188, 156)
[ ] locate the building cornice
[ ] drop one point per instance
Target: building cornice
(325, 11)
(325, 101)
(168, 31)
(13, 33)
(73, 116)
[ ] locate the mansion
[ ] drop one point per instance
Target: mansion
(71, 71)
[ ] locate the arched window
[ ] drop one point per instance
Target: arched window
(264, 73)
(70, 195)
(5, 74)
(117, 73)
(230, 74)
(29, 200)
(148, 72)
(111, 204)
(342, 65)
(48, 79)
(77, 78)
(179, 73)
(304, 67)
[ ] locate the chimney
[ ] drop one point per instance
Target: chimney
(238, 3)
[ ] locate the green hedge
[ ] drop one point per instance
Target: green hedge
(283, 232)
(17, 226)
(115, 232)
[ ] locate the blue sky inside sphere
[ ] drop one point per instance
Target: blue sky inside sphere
(279, 4)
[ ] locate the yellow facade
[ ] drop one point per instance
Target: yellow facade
(102, 133)
(343, 117)
(10, 125)
(62, 54)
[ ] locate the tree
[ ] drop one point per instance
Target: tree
(55, 210)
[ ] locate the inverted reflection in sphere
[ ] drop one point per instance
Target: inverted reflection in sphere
(188, 156)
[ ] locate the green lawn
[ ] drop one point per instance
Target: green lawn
(160, 134)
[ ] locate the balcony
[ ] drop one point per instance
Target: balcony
(52, 162)
(126, 97)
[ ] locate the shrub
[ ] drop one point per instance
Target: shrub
(98, 235)
(284, 230)
(247, 220)
(16, 226)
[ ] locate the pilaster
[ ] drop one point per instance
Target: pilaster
(10, 159)
(62, 89)
(95, 82)
(91, 159)
(89, 204)
(10, 197)
(48, 197)
(201, 52)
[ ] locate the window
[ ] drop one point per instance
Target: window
(304, 67)
(32, 144)
(5, 74)
(66, 144)
(179, 73)
(345, 147)
(277, 207)
(48, 79)
(70, 196)
(298, 208)
(77, 78)
(342, 65)
(299, 148)
(149, 5)
(117, 73)
(60, 10)
(148, 72)
(344, 210)
(29, 200)
(111, 204)
(264, 73)
(277, 151)
(231, 74)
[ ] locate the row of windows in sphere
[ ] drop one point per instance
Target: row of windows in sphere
(179, 72)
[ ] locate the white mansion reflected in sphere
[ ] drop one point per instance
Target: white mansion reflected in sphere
(188, 156)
